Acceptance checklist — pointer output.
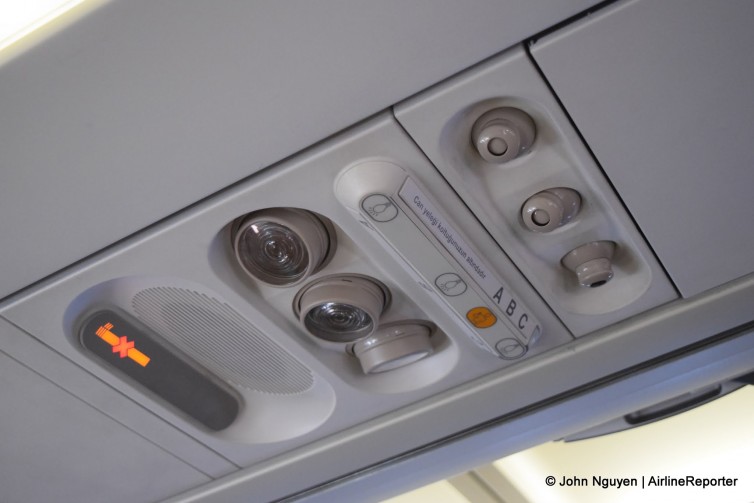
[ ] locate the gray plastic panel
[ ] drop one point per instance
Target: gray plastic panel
(587, 359)
(191, 251)
(441, 121)
(662, 93)
(500, 440)
(57, 448)
(141, 108)
(74, 380)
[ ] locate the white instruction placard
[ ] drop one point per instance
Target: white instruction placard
(452, 241)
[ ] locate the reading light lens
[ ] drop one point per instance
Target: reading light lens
(341, 308)
(273, 252)
(283, 246)
(338, 322)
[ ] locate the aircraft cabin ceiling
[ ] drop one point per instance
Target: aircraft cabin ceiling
(327, 252)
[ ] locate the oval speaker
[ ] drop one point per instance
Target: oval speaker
(222, 340)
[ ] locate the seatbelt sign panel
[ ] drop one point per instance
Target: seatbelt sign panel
(452, 241)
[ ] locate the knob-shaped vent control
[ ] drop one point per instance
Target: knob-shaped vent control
(502, 134)
(552, 208)
(591, 262)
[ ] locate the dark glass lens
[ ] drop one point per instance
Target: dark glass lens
(338, 322)
(273, 252)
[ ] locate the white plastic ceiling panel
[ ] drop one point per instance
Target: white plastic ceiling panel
(662, 93)
(139, 108)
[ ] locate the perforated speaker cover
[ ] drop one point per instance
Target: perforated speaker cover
(222, 340)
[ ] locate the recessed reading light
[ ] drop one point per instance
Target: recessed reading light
(283, 246)
(342, 307)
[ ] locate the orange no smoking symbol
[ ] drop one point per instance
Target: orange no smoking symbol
(122, 345)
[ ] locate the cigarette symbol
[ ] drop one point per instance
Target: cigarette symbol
(122, 345)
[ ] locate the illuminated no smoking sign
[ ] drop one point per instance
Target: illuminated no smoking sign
(129, 347)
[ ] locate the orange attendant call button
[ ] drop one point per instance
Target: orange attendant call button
(481, 317)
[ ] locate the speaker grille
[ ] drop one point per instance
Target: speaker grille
(222, 340)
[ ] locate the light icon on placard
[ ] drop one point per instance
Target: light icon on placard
(122, 345)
